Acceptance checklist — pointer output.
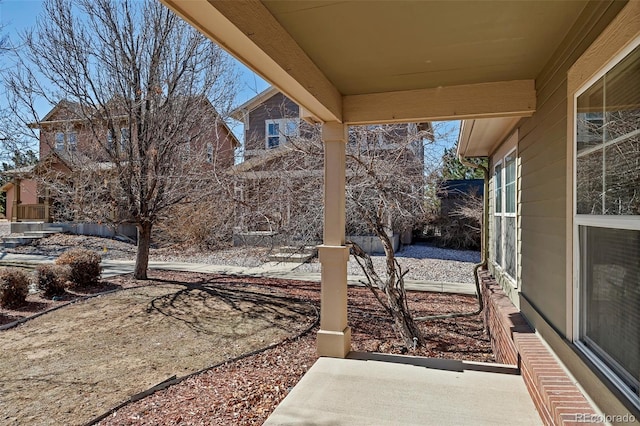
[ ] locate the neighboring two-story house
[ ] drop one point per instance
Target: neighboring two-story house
(68, 143)
(279, 183)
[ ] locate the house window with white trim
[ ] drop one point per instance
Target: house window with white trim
(607, 220)
(277, 131)
(72, 141)
(505, 222)
(59, 141)
(68, 140)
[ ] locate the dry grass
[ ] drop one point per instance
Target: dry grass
(69, 366)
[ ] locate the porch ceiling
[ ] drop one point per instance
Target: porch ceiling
(388, 61)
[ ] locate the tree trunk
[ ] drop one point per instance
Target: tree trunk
(397, 296)
(142, 256)
(393, 288)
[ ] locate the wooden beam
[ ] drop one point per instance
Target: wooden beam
(248, 31)
(484, 100)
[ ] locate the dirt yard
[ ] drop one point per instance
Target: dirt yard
(70, 365)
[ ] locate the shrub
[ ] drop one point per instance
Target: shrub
(84, 267)
(52, 279)
(14, 287)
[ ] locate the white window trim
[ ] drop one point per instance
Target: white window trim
(503, 198)
(66, 143)
(72, 145)
(59, 145)
(282, 124)
(500, 164)
(604, 221)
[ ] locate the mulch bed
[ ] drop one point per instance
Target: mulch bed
(246, 391)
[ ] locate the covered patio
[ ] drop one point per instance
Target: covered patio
(376, 389)
(495, 64)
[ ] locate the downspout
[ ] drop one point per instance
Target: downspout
(483, 250)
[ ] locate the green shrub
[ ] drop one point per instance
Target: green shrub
(84, 267)
(14, 287)
(52, 279)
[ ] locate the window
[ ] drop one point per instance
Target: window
(497, 178)
(209, 153)
(273, 135)
(277, 131)
(607, 221)
(59, 141)
(110, 140)
(72, 141)
(68, 140)
(124, 139)
(505, 223)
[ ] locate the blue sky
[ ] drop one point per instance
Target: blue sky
(20, 15)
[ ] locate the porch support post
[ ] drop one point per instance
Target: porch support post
(16, 200)
(334, 337)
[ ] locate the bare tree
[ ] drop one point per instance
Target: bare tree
(282, 191)
(145, 89)
(385, 192)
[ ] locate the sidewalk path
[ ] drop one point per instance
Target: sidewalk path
(283, 270)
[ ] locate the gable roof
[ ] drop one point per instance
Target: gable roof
(62, 106)
(239, 112)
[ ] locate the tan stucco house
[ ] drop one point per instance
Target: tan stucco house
(549, 91)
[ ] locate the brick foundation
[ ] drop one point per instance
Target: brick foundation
(555, 395)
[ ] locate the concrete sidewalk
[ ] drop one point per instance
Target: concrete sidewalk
(283, 270)
(377, 389)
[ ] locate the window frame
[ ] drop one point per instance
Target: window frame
(622, 222)
(59, 141)
(502, 265)
(283, 130)
(111, 139)
(72, 140)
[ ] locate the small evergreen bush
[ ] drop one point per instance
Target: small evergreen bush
(52, 279)
(14, 287)
(84, 267)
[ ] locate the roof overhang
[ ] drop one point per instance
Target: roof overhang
(480, 138)
(403, 61)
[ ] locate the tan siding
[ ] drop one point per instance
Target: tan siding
(542, 151)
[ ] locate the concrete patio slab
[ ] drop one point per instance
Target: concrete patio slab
(376, 389)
